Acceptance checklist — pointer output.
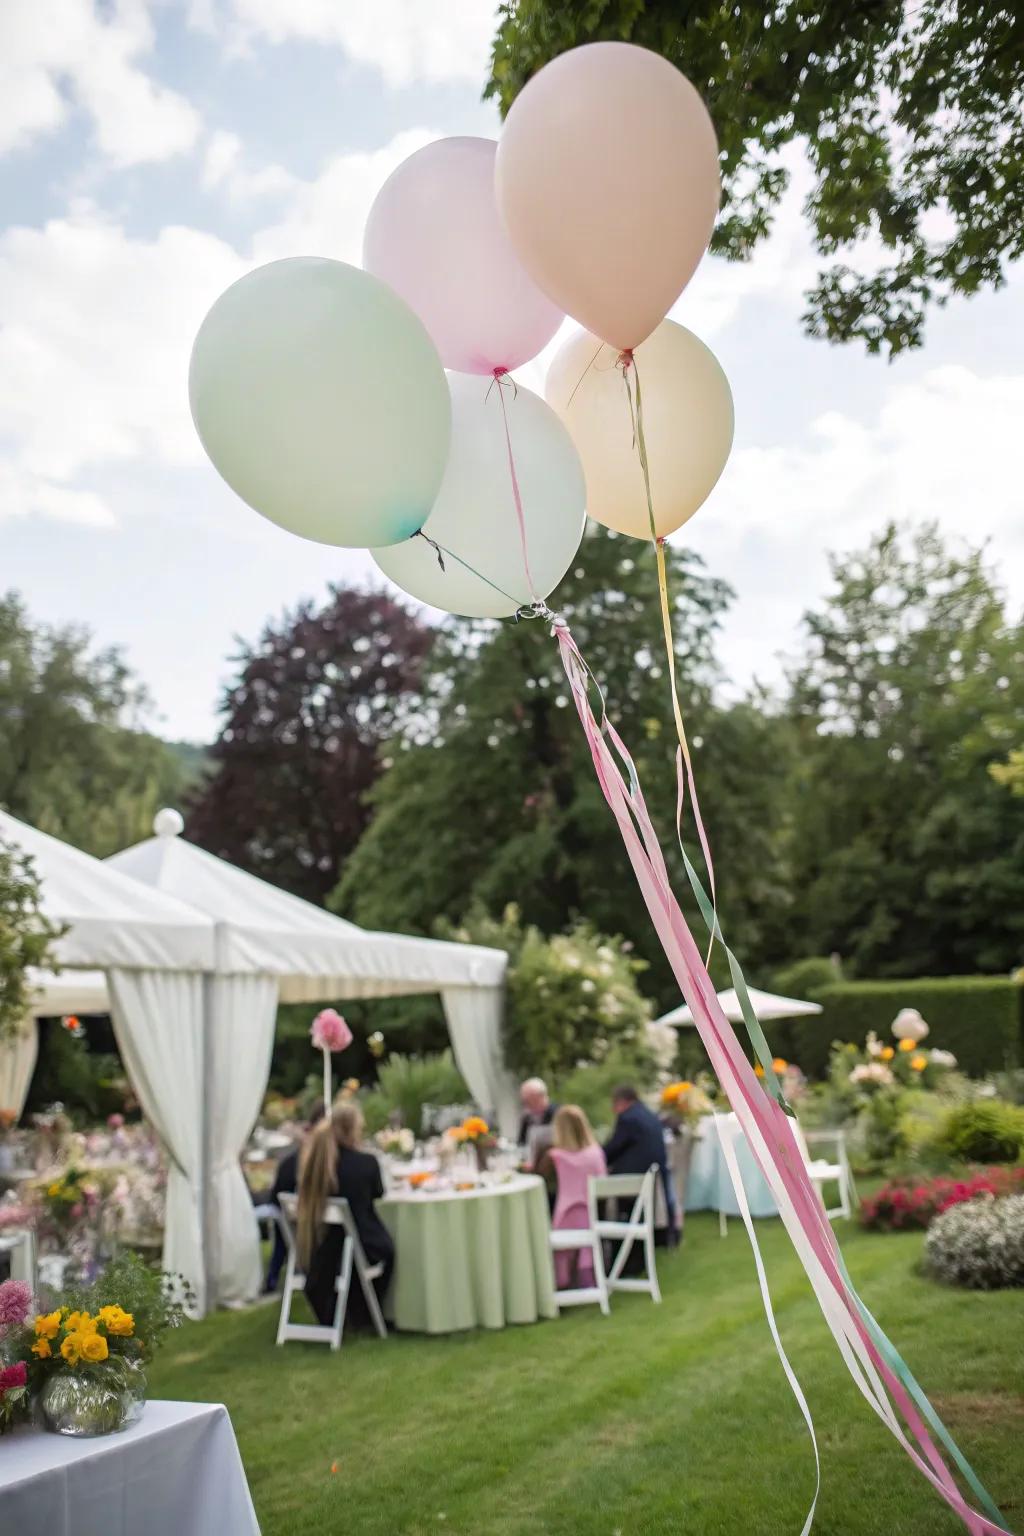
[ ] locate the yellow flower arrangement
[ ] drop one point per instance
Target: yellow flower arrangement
(673, 1092)
(908, 1045)
(93, 1347)
(474, 1127)
(41, 1348)
(918, 1063)
(887, 1053)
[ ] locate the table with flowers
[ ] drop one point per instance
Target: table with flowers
(469, 1252)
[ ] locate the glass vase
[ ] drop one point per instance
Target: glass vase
(97, 1400)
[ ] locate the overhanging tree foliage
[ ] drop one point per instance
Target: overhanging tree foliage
(912, 112)
(25, 937)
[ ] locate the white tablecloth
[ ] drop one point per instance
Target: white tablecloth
(709, 1186)
(175, 1473)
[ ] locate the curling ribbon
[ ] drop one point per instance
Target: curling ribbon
(872, 1360)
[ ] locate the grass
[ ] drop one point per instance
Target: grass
(659, 1419)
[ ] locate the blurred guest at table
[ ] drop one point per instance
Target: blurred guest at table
(575, 1157)
(538, 1109)
(332, 1164)
(286, 1181)
(637, 1143)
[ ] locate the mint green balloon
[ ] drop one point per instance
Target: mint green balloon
(321, 399)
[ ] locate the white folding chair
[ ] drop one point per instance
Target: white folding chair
(821, 1172)
(583, 1240)
(639, 1225)
(336, 1214)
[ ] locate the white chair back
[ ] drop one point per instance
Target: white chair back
(637, 1227)
(337, 1213)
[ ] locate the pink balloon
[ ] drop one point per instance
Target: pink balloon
(434, 234)
(607, 180)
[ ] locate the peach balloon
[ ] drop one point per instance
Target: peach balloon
(688, 426)
(607, 180)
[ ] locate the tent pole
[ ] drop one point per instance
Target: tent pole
(206, 1212)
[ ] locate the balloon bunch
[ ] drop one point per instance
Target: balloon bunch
(319, 392)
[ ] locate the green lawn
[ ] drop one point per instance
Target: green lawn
(659, 1419)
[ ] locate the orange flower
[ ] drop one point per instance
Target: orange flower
(41, 1347)
(907, 1045)
(918, 1063)
(887, 1053)
(779, 1065)
(758, 1069)
(117, 1321)
(476, 1125)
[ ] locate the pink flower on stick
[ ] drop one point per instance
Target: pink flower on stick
(15, 1302)
(330, 1032)
(13, 1376)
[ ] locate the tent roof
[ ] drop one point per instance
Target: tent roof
(767, 1005)
(70, 992)
(314, 955)
(109, 921)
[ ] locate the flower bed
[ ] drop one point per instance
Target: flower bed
(907, 1204)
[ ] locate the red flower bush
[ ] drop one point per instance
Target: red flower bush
(904, 1205)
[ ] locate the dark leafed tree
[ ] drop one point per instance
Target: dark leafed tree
(73, 759)
(908, 851)
(299, 745)
(912, 112)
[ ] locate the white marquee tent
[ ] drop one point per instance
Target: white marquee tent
(767, 1005)
(196, 1034)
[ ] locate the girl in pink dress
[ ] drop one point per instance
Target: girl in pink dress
(576, 1158)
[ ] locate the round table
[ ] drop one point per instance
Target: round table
(709, 1186)
(478, 1258)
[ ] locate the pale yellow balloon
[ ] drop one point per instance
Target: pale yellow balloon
(687, 418)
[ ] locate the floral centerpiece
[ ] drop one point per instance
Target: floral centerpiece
(15, 1304)
(682, 1103)
(84, 1360)
(476, 1133)
(396, 1141)
(329, 1032)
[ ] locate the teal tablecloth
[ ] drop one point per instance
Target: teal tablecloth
(709, 1187)
(470, 1259)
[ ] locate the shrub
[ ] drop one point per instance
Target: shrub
(805, 978)
(979, 1245)
(406, 1083)
(985, 1131)
(591, 1086)
(978, 1018)
(903, 1204)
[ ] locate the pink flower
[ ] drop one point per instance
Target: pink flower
(15, 1302)
(330, 1032)
(78, 1209)
(12, 1376)
(115, 1121)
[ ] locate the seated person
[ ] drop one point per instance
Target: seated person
(286, 1181)
(637, 1142)
(332, 1164)
(576, 1158)
(538, 1109)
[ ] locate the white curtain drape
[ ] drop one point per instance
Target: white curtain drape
(158, 1022)
(474, 1023)
(17, 1063)
(243, 1011)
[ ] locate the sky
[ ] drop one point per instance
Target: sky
(152, 151)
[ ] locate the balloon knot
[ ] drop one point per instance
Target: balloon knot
(499, 373)
(626, 356)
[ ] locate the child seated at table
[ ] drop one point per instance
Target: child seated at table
(576, 1158)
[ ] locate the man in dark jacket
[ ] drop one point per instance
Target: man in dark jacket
(637, 1142)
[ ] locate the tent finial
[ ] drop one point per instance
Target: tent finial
(168, 822)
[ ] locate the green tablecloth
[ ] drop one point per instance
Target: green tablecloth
(470, 1259)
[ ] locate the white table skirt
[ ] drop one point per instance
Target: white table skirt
(709, 1186)
(175, 1473)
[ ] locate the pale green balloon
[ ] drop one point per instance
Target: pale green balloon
(321, 399)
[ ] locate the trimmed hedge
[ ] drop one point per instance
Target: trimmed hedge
(978, 1018)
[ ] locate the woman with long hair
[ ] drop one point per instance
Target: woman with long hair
(576, 1158)
(333, 1165)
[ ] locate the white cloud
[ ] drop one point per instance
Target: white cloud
(95, 334)
(224, 167)
(942, 446)
(55, 53)
(407, 40)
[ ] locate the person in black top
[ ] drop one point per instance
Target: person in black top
(286, 1181)
(637, 1142)
(537, 1108)
(332, 1164)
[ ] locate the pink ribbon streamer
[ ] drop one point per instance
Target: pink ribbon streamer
(761, 1118)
